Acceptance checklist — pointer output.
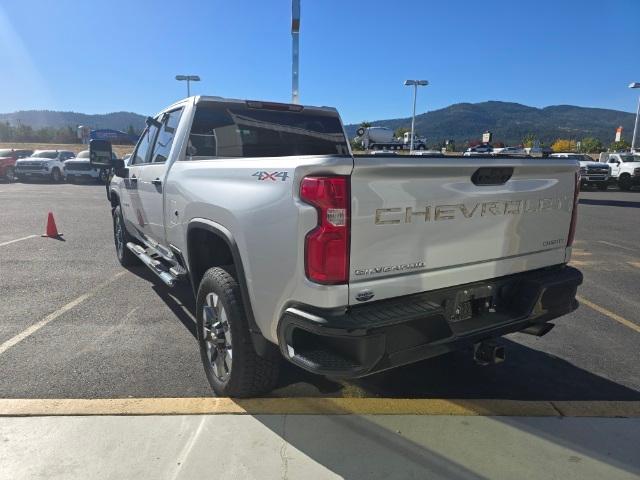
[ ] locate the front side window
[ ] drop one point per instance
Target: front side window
(239, 130)
(163, 144)
(144, 146)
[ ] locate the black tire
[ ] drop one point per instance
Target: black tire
(249, 374)
(70, 179)
(19, 178)
(103, 177)
(56, 175)
(421, 147)
(10, 174)
(120, 234)
(624, 182)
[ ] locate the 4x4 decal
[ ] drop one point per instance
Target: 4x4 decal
(273, 176)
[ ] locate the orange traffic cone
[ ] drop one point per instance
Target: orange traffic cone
(52, 230)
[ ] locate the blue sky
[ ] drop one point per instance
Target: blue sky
(113, 55)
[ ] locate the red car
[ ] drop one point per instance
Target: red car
(8, 157)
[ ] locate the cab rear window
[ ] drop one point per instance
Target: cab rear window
(231, 129)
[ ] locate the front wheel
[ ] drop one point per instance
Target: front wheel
(231, 364)
(56, 176)
(10, 174)
(121, 238)
(625, 182)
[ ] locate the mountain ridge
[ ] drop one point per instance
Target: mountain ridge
(510, 122)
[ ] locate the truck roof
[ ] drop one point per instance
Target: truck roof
(213, 98)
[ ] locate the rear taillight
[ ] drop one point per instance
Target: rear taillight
(574, 212)
(327, 245)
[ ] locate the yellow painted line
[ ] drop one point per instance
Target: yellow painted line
(17, 240)
(580, 253)
(609, 313)
(53, 315)
(314, 406)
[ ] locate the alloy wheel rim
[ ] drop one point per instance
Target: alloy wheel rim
(217, 337)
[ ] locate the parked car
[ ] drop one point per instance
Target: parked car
(79, 168)
(484, 149)
(625, 169)
(8, 158)
(592, 173)
(343, 265)
(539, 151)
(509, 151)
(43, 164)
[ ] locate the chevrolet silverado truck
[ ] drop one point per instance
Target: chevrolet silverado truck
(43, 164)
(344, 265)
(625, 169)
(592, 173)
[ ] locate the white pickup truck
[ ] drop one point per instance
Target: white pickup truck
(344, 265)
(592, 173)
(625, 168)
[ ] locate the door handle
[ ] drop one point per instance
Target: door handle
(157, 181)
(133, 178)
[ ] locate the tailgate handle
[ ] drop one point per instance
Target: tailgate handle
(492, 175)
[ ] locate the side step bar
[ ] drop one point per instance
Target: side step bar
(168, 276)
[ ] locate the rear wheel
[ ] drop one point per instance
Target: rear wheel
(231, 364)
(10, 174)
(121, 237)
(624, 182)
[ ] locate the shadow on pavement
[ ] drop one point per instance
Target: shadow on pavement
(609, 203)
(527, 374)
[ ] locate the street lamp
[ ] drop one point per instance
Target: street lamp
(635, 127)
(189, 79)
(416, 84)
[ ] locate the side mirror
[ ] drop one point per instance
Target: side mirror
(100, 154)
(152, 122)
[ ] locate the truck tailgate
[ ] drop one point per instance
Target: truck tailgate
(420, 224)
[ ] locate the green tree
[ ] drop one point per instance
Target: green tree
(400, 131)
(591, 145)
(622, 145)
(528, 140)
(365, 124)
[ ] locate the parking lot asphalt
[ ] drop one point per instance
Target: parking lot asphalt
(75, 324)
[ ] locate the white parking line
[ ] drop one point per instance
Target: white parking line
(611, 244)
(17, 240)
(53, 315)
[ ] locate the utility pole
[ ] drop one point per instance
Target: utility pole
(635, 126)
(416, 84)
(295, 45)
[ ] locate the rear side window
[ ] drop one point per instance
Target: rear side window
(237, 130)
(163, 144)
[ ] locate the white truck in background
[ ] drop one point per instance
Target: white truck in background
(625, 168)
(382, 138)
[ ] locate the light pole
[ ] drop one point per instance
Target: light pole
(635, 127)
(416, 84)
(189, 79)
(295, 50)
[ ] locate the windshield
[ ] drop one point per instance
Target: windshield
(46, 154)
(630, 158)
(83, 154)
